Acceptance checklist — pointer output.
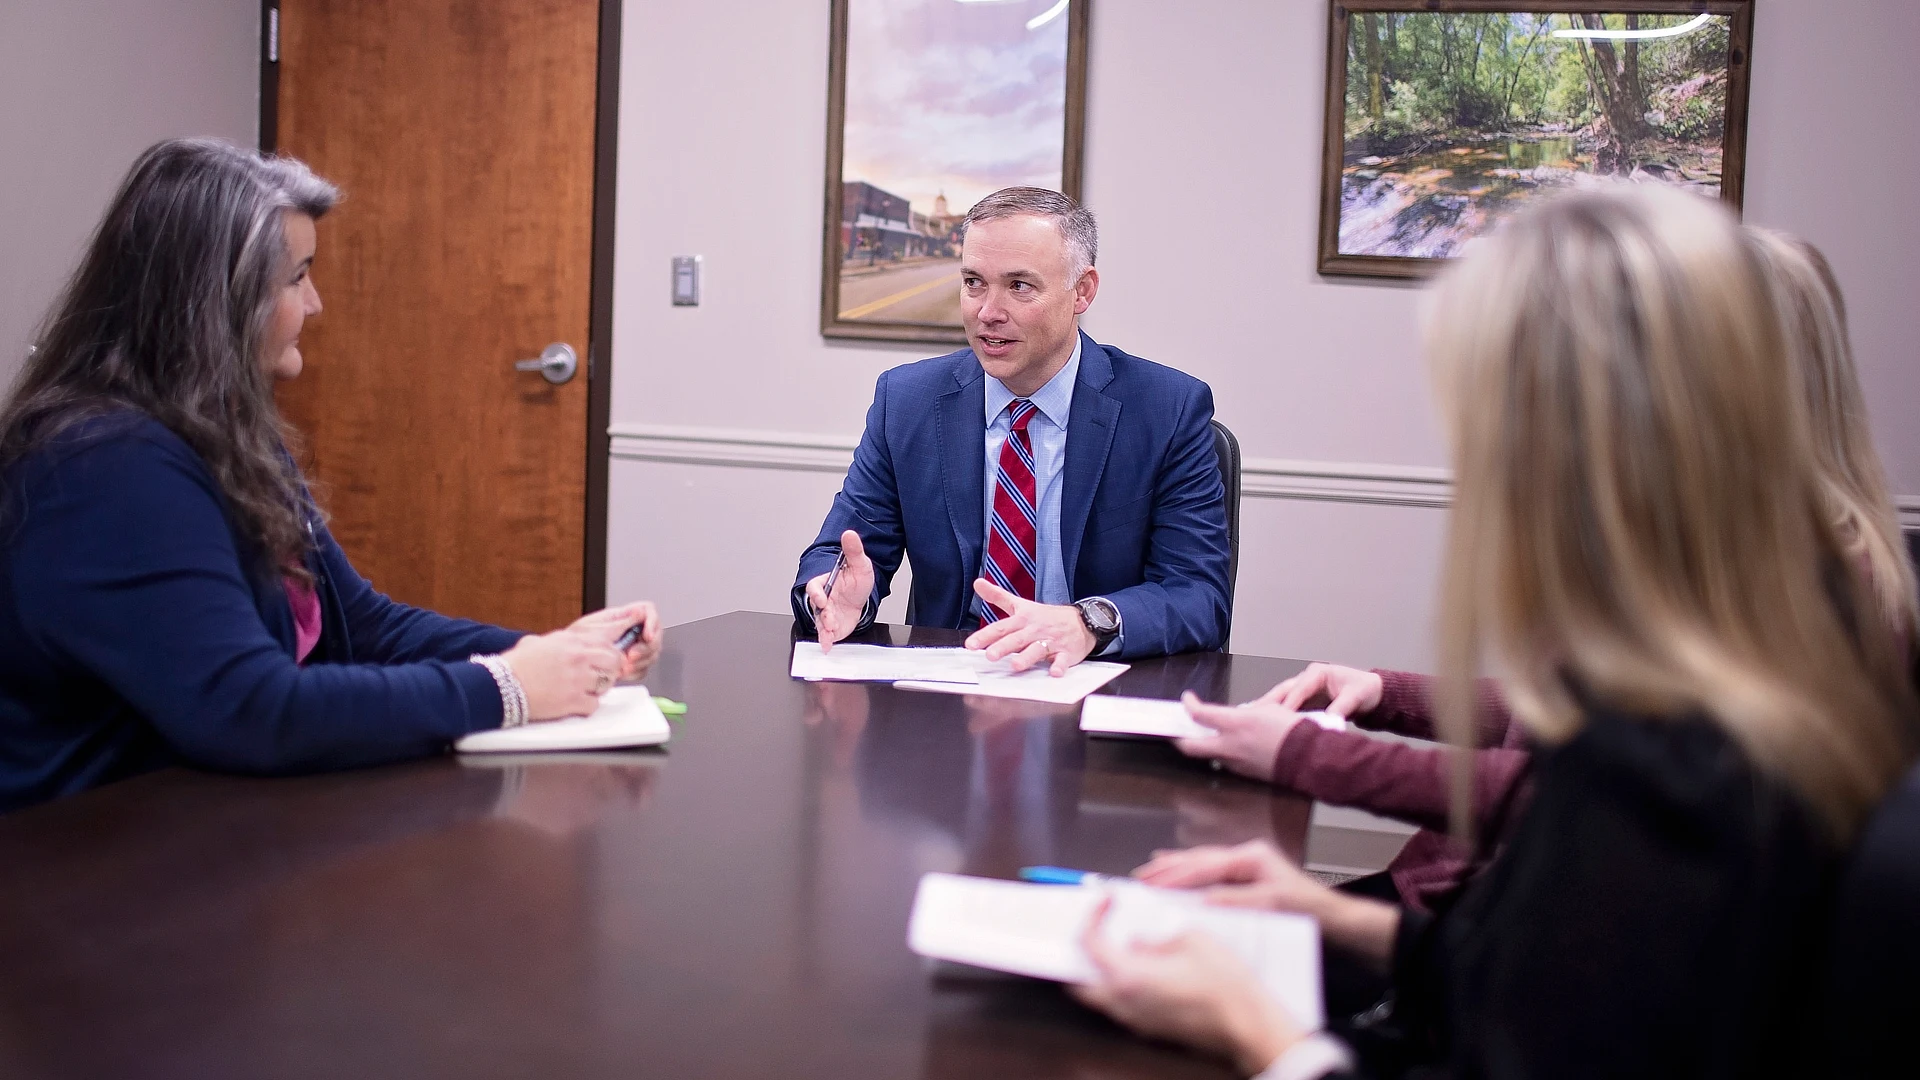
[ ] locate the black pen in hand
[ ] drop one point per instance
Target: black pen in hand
(631, 637)
(826, 591)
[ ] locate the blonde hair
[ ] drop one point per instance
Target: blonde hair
(1637, 519)
(1813, 317)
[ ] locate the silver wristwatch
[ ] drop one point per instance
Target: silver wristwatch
(1102, 619)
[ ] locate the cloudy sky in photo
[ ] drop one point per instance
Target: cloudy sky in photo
(944, 95)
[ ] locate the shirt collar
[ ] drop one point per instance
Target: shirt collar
(1054, 400)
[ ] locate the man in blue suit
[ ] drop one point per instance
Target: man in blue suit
(1059, 495)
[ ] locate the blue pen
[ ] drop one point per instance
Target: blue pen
(1060, 875)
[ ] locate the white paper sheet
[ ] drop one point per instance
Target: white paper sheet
(1035, 930)
(1108, 714)
(884, 663)
(627, 716)
(1033, 684)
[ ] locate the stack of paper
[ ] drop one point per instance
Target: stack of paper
(951, 671)
(627, 716)
(1035, 930)
(883, 663)
(1033, 684)
(1107, 714)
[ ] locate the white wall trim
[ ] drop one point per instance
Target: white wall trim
(1330, 481)
(731, 446)
(1260, 478)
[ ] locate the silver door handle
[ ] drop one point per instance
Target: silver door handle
(556, 364)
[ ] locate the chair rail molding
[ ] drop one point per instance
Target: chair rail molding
(1260, 478)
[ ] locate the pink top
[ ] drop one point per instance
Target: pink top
(306, 617)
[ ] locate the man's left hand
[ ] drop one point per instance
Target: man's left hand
(1032, 633)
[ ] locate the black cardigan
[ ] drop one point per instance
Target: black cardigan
(1659, 913)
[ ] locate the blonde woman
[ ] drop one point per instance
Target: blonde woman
(1814, 317)
(1643, 549)
(1263, 739)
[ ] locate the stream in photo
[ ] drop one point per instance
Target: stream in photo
(1430, 203)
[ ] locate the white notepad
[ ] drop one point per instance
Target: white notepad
(627, 716)
(1035, 930)
(1108, 714)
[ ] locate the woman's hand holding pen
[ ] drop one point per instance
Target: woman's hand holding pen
(565, 672)
(609, 626)
(838, 598)
(562, 673)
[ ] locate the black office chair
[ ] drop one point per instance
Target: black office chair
(1913, 547)
(1228, 448)
(1869, 995)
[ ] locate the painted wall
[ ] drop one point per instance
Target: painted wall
(1203, 148)
(84, 87)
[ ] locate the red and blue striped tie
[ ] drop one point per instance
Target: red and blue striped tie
(1010, 537)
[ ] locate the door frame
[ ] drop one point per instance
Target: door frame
(599, 358)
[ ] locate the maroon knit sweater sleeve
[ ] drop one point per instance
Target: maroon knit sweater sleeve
(1348, 768)
(1406, 708)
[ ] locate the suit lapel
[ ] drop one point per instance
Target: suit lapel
(1090, 429)
(962, 435)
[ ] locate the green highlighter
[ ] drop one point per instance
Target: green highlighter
(670, 707)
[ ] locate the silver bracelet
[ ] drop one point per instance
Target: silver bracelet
(513, 696)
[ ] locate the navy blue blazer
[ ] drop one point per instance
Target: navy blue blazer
(1143, 517)
(139, 629)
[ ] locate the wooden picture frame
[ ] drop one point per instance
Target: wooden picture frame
(1382, 208)
(859, 317)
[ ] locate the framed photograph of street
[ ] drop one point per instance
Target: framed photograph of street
(1444, 116)
(932, 104)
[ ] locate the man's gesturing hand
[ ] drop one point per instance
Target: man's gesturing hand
(1032, 633)
(836, 616)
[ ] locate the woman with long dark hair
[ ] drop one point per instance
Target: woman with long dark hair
(169, 593)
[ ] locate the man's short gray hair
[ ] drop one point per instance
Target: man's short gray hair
(1074, 221)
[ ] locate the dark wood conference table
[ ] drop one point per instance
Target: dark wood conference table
(731, 905)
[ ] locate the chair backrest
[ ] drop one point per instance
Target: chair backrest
(1870, 995)
(1228, 448)
(1913, 547)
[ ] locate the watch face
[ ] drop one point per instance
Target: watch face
(1101, 615)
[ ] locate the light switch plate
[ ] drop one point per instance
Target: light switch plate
(686, 281)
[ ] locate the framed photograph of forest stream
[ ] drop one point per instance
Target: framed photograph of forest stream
(1444, 116)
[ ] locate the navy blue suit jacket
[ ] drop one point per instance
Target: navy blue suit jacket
(138, 629)
(1143, 516)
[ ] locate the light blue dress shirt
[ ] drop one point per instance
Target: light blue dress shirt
(1047, 431)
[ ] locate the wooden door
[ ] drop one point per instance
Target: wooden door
(462, 133)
